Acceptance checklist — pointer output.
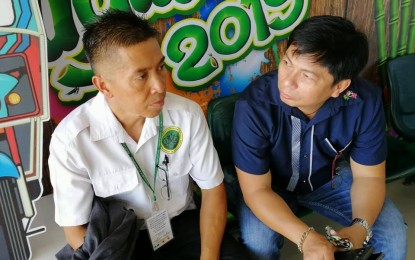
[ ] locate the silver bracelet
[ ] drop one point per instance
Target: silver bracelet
(364, 224)
(302, 239)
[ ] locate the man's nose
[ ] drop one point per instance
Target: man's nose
(289, 80)
(159, 83)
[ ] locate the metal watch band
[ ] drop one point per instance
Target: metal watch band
(366, 226)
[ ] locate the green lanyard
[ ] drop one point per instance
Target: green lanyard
(142, 175)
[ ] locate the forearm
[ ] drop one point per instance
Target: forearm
(268, 206)
(212, 221)
(274, 212)
(368, 190)
(368, 196)
(75, 235)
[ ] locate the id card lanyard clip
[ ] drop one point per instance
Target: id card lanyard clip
(140, 171)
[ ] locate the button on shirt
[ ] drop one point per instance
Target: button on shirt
(86, 158)
(269, 135)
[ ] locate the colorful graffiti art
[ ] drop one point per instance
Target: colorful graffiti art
(212, 47)
(23, 108)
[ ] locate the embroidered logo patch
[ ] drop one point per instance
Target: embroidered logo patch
(171, 139)
(350, 94)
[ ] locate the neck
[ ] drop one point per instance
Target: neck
(133, 127)
(132, 123)
(310, 115)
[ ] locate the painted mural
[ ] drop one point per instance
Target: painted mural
(207, 43)
(23, 108)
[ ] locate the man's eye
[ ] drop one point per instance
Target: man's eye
(308, 76)
(286, 62)
(140, 77)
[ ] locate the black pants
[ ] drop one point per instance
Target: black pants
(186, 242)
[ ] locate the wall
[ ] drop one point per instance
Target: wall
(23, 107)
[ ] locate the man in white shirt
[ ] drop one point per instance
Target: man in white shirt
(138, 145)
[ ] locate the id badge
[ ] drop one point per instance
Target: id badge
(159, 229)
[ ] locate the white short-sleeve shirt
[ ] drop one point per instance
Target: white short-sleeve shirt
(86, 158)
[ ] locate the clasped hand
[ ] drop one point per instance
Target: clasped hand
(318, 247)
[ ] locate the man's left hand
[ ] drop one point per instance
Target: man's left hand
(356, 234)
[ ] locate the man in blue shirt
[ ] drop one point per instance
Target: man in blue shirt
(313, 134)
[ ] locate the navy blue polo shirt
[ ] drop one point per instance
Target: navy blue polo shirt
(263, 138)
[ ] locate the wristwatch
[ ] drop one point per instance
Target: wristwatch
(366, 226)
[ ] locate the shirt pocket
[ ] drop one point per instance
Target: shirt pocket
(329, 149)
(179, 177)
(115, 182)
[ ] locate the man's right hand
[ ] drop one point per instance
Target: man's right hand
(317, 247)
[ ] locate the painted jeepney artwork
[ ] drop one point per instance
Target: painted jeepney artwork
(23, 108)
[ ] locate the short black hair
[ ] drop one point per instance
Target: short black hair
(114, 28)
(334, 42)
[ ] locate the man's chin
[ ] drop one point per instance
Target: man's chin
(288, 102)
(154, 113)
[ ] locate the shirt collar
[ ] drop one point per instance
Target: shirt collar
(348, 97)
(104, 124)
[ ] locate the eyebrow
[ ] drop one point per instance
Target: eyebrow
(162, 59)
(306, 70)
(145, 69)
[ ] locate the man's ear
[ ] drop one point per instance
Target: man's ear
(340, 87)
(102, 85)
